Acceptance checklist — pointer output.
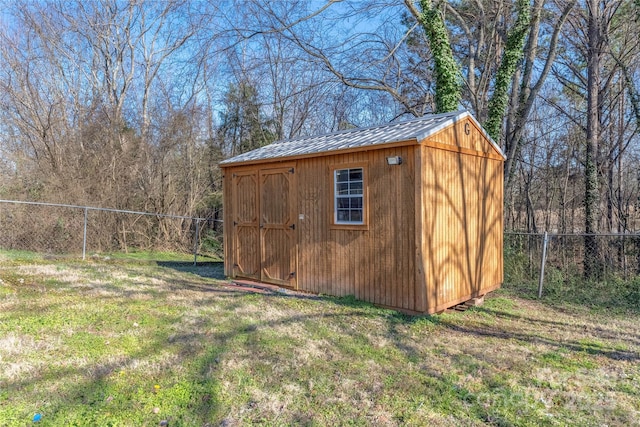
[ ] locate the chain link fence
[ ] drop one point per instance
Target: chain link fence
(82, 231)
(602, 268)
(599, 269)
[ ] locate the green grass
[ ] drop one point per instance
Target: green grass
(126, 343)
(131, 255)
(135, 255)
(564, 287)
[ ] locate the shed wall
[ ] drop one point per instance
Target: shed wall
(375, 264)
(462, 224)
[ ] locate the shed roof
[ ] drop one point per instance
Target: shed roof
(416, 129)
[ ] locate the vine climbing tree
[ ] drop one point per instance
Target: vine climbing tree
(513, 53)
(446, 69)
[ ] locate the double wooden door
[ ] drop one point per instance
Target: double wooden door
(265, 238)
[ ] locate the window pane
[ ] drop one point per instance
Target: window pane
(356, 215)
(343, 215)
(355, 174)
(356, 202)
(343, 188)
(343, 202)
(355, 187)
(342, 175)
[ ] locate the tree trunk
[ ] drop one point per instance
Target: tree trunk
(592, 199)
(512, 55)
(447, 74)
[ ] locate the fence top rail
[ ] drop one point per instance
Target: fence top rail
(518, 233)
(92, 208)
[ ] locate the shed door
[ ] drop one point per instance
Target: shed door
(265, 243)
(246, 234)
(277, 226)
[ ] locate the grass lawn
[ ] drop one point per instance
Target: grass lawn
(115, 343)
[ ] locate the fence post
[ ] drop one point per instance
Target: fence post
(195, 243)
(542, 262)
(84, 234)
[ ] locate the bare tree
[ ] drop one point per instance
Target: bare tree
(91, 95)
(525, 90)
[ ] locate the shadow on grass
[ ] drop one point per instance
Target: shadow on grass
(99, 392)
(600, 333)
(614, 296)
(207, 269)
(395, 318)
(96, 392)
(205, 343)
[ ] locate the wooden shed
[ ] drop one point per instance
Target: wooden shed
(406, 215)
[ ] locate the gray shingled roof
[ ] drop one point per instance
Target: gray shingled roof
(417, 129)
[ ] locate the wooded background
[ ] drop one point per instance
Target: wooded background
(131, 104)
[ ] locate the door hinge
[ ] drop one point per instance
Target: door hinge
(292, 226)
(291, 170)
(292, 274)
(235, 223)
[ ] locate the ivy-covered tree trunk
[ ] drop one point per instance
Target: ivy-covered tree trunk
(446, 71)
(513, 53)
(592, 198)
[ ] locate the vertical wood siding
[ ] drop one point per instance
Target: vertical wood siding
(374, 264)
(245, 222)
(227, 230)
(278, 255)
(462, 218)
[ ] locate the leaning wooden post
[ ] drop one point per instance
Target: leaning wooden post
(543, 262)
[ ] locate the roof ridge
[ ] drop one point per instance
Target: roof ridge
(416, 130)
(368, 128)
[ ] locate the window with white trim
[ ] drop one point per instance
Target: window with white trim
(349, 196)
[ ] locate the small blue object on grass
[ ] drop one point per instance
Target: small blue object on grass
(37, 417)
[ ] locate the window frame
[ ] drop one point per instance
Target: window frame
(350, 225)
